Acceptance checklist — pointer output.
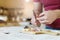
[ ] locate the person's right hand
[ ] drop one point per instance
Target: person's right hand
(35, 22)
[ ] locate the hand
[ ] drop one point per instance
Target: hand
(48, 17)
(35, 22)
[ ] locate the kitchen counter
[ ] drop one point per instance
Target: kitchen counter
(13, 33)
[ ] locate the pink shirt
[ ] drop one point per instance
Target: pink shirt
(51, 5)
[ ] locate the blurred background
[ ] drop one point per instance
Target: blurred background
(25, 5)
(15, 11)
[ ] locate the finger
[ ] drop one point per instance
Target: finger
(44, 22)
(42, 14)
(37, 23)
(34, 24)
(42, 18)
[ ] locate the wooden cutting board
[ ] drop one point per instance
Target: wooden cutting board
(49, 32)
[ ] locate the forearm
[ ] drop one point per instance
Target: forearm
(58, 13)
(37, 8)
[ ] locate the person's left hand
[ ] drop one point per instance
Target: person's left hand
(48, 17)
